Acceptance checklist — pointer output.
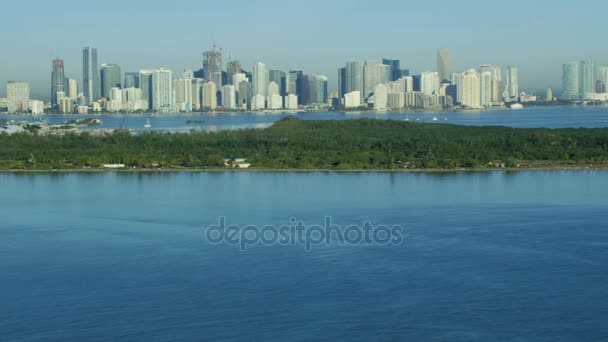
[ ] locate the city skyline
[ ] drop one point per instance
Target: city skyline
(317, 49)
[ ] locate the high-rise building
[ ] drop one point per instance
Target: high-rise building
(570, 81)
(291, 102)
(549, 95)
(280, 78)
(604, 76)
(372, 76)
(341, 82)
(229, 96)
(430, 83)
(486, 89)
(233, 68)
(314, 90)
(295, 83)
(587, 77)
(457, 82)
(197, 93)
(209, 95)
(145, 84)
(212, 66)
(600, 87)
(72, 88)
(58, 83)
(183, 91)
(18, 96)
(260, 79)
(162, 90)
(90, 75)
(444, 64)
(395, 68)
(244, 94)
(131, 80)
(471, 92)
(512, 83)
(496, 81)
(354, 78)
(380, 97)
(110, 78)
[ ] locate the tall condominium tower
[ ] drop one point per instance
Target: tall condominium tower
(471, 89)
(90, 75)
(571, 81)
(495, 81)
(260, 79)
(512, 82)
(444, 64)
(486, 89)
(145, 84)
(354, 78)
(430, 83)
(588, 76)
(58, 82)
(18, 96)
(110, 78)
(162, 90)
(212, 66)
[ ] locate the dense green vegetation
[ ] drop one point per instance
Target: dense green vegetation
(295, 144)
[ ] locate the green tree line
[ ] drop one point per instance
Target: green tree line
(296, 144)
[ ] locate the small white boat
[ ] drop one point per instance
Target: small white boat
(147, 124)
(517, 106)
(435, 118)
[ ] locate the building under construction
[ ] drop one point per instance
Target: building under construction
(212, 66)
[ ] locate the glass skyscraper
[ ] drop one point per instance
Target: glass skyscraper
(570, 81)
(90, 75)
(58, 81)
(110, 78)
(131, 80)
(587, 77)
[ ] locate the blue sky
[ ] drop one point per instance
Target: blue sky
(316, 36)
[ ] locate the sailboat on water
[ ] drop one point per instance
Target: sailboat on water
(148, 124)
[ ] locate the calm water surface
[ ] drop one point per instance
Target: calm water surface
(491, 256)
(550, 117)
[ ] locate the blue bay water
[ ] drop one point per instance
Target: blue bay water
(549, 117)
(495, 256)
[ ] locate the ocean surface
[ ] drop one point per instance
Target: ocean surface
(493, 256)
(549, 117)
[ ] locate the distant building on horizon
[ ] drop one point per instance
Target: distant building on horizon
(212, 66)
(162, 91)
(570, 81)
(512, 88)
(18, 96)
(58, 81)
(131, 80)
(90, 75)
(471, 89)
(444, 64)
(260, 79)
(110, 78)
(587, 77)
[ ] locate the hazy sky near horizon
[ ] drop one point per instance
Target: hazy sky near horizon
(316, 36)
